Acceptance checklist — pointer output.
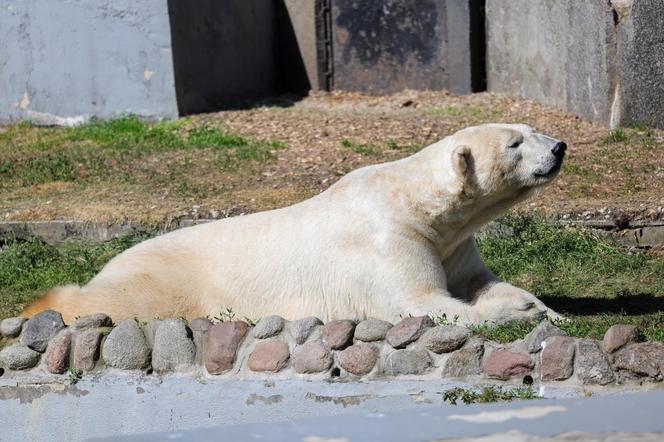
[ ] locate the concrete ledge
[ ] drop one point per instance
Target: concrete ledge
(635, 233)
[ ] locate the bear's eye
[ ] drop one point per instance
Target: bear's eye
(515, 144)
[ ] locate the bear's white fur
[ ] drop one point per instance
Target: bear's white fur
(385, 241)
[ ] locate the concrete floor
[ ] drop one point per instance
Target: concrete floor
(196, 408)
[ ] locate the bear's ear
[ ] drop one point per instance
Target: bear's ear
(462, 161)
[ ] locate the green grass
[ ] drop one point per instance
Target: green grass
(618, 135)
(111, 149)
(593, 281)
(362, 149)
(28, 268)
(488, 394)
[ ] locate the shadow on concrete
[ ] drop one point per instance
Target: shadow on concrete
(625, 303)
(234, 54)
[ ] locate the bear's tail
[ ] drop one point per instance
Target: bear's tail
(67, 300)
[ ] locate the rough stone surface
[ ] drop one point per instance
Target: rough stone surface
(407, 362)
(140, 80)
(465, 362)
(618, 336)
(338, 334)
(503, 364)
(372, 330)
(444, 339)
(408, 330)
(126, 347)
(598, 64)
(199, 327)
(359, 359)
(220, 345)
(93, 321)
(269, 356)
(18, 357)
(301, 328)
(11, 327)
(268, 327)
(57, 354)
(150, 331)
(532, 343)
(638, 360)
(312, 357)
(40, 328)
(173, 346)
(86, 349)
(558, 358)
(591, 366)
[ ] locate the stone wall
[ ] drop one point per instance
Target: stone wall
(372, 349)
(600, 60)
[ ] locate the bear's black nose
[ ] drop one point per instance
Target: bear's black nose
(559, 149)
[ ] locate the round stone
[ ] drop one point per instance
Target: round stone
(445, 339)
(18, 357)
(372, 330)
(126, 348)
(173, 347)
(338, 334)
(407, 362)
(11, 327)
(312, 357)
(408, 330)
(268, 327)
(220, 345)
(301, 328)
(359, 359)
(40, 328)
(57, 354)
(269, 356)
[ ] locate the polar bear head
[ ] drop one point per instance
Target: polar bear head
(505, 159)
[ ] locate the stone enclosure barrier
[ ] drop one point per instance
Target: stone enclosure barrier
(306, 348)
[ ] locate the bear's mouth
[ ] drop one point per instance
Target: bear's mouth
(551, 172)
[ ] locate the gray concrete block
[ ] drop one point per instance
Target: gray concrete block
(599, 60)
(641, 65)
(386, 46)
(74, 58)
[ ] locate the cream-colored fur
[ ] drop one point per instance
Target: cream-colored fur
(385, 241)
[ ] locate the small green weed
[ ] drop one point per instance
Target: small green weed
(74, 375)
(617, 135)
(226, 315)
(362, 149)
(488, 394)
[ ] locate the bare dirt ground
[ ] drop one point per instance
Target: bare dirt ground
(606, 175)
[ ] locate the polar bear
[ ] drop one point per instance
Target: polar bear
(385, 241)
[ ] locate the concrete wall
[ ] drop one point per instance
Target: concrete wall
(385, 46)
(599, 60)
(75, 57)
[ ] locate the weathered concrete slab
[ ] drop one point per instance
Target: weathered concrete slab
(61, 62)
(599, 60)
(386, 46)
(610, 416)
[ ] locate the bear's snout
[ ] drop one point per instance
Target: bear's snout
(559, 149)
